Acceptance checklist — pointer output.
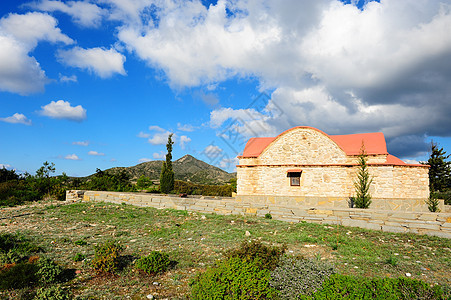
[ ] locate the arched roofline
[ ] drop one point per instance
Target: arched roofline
(300, 127)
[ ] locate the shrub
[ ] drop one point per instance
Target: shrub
(106, 258)
(296, 276)
(266, 257)
(268, 216)
(49, 271)
(15, 248)
(233, 278)
(349, 287)
(17, 276)
(155, 262)
(54, 292)
(433, 203)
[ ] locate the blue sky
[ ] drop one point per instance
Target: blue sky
(101, 83)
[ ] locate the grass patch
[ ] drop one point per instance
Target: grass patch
(197, 241)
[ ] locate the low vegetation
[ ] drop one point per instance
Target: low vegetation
(197, 253)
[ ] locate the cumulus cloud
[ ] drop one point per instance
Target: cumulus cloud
(5, 166)
(19, 34)
(63, 110)
(95, 153)
(83, 13)
(72, 157)
(81, 143)
(157, 135)
(103, 62)
(17, 119)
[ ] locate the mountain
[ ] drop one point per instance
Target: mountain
(186, 168)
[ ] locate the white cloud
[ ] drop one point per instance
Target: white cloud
(159, 155)
(19, 34)
(185, 127)
(141, 160)
(143, 135)
(104, 63)
(72, 157)
(81, 143)
(183, 141)
(64, 78)
(6, 166)
(33, 27)
(17, 119)
(160, 138)
(84, 13)
(63, 110)
(95, 153)
(156, 128)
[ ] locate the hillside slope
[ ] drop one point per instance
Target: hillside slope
(186, 168)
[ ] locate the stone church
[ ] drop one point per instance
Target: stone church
(305, 166)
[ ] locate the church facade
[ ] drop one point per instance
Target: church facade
(306, 166)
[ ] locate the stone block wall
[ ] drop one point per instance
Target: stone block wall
(291, 209)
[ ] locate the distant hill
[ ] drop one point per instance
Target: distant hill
(186, 168)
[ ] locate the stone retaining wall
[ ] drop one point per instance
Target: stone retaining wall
(437, 224)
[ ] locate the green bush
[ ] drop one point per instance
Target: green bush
(18, 276)
(15, 248)
(49, 271)
(295, 276)
(233, 278)
(268, 216)
(106, 258)
(155, 262)
(349, 287)
(53, 292)
(266, 257)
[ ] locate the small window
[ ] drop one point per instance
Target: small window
(295, 178)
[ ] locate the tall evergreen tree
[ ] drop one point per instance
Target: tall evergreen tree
(362, 184)
(167, 173)
(440, 170)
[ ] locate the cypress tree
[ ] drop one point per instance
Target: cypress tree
(362, 184)
(167, 173)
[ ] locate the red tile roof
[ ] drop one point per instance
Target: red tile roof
(374, 144)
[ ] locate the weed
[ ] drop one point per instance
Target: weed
(79, 257)
(268, 216)
(80, 242)
(392, 260)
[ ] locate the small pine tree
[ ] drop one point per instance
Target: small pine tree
(167, 173)
(363, 182)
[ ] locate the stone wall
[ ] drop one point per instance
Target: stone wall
(286, 209)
